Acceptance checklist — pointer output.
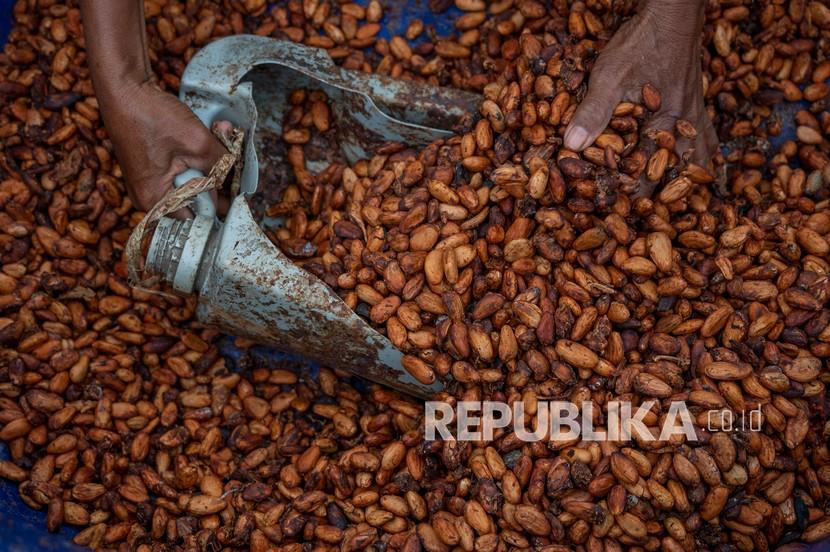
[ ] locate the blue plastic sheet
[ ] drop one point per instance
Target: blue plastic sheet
(24, 529)
(5, 19)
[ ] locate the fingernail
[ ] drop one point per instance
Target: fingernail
(576, 138)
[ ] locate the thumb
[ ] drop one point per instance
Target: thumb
(593, 114)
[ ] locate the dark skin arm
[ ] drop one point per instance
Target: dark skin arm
(155, 136)
(659, 45)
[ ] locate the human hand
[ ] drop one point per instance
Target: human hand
(156, 137)
(660, 45)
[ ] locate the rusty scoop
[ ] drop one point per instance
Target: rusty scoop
(245, 285)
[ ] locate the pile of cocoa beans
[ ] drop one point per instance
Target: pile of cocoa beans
(499, 262)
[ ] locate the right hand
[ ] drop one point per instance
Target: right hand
(156, 137)
(659, 45)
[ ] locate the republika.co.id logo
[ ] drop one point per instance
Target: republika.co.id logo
(566, 421)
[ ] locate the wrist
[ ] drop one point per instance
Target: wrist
(124, 106)
(122, 84)
(116, 46)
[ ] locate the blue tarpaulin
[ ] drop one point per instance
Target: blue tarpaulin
(5, 18)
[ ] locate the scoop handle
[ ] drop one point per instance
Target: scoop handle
(203, 204)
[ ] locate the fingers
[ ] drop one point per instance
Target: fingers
(145, 203)
(707, 143)
(223, 127)
(166, 139)
(223, 203)
(593, 114)
(207, 152)
(697, 150)
(660, 121)
(144, 194)
(699, 147)
(182, 214)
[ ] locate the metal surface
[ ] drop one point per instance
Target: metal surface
(246, 79)
(203, 205)
(166, 247)
(240, 78)
(368, 109)
(255, 290)
(246, 286)
(177, 249)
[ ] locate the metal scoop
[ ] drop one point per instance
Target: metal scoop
(246, 286)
